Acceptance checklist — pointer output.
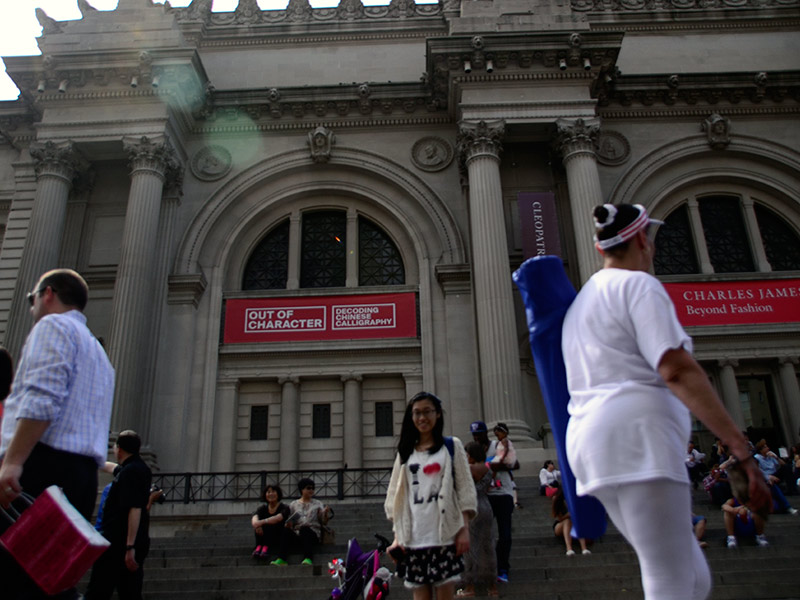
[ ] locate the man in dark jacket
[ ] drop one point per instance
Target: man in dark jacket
(125, 525)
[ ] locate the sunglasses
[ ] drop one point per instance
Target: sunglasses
(32, 295)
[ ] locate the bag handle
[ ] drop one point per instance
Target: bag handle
(12, 514)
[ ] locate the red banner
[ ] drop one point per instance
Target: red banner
(736, 302)
(309, 318)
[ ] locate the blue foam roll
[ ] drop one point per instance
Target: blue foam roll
(547, 294)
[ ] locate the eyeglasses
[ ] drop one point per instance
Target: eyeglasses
(32, 295)
(427, 413)
(309, 487)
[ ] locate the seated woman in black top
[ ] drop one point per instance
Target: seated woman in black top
(269, 523)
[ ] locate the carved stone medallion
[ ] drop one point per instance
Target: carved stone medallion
(211, 163)
(431, 154)
(612, 148)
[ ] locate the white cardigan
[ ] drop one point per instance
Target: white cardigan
(455, 497)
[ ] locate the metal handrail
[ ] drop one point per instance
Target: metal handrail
(246, 486)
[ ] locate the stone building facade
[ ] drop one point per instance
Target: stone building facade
(292, 220)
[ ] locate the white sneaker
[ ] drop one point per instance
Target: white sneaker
(761, 540)
(587, 551)
(792, 511)
(732, 541)
(570, 552)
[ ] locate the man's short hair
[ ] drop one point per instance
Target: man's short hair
(129, 441)
(68, 285)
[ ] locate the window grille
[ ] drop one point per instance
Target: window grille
(379, 262)
(675, 251)
(725, 234)
(781, 243)
(267, 268)
(323, 260)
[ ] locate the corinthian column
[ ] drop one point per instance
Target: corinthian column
(57, 165)
(131, 341)
(501, 383)
(289, 456)
(576, 144)
(730, 391)
(791, 394)
(353, 421)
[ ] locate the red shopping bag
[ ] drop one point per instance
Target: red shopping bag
(53, 543)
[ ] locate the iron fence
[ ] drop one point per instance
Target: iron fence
(189, 488)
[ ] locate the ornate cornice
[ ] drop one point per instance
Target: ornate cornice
(672, 6)
(301, 12)
(480, 139)
(186, 289)
(687, 90)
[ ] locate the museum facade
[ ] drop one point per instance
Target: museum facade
(293, 220)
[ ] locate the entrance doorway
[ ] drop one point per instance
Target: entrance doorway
(757, 397)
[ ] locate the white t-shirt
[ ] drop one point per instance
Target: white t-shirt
(425, 473)
(625, 425)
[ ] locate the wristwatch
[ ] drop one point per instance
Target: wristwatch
(130, 547)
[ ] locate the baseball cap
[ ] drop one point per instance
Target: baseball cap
(477, 427)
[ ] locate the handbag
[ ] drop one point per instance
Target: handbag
(53, 543)
(328, 535)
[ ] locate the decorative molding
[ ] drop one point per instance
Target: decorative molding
(672, 6)
(480, 139)
(454, 279)
(186, 289)
(431, 154)
(211, 163)
(612, 148)
(320, 142)
(718, 130)
(578, 136)
(57, 159)
(156, 155)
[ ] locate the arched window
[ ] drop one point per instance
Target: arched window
(379, 262)
(719, 233)
(324, 248)
(267, 267)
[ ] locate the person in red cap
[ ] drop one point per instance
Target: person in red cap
(632, 382)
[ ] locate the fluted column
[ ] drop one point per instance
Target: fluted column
(730, 391)
(498, 354)
(576, 144)
(295, 241)
(56, 165)
(289, 458)
(131, 339)
(353, 421)
(791, 394)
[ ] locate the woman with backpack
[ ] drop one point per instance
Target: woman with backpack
(430, 500)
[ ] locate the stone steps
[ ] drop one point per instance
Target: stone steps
(210, 559)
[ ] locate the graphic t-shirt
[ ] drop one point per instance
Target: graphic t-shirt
(425, 475)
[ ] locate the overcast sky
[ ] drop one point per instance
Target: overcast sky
(19, 27)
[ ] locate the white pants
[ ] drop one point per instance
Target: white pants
(656, 519)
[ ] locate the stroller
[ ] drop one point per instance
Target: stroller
(361, 573)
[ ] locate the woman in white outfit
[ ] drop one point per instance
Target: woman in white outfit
(632, 382)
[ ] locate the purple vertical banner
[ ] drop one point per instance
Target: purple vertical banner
(537, 214)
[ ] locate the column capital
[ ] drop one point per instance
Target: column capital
(352, 377)
(480, 139)
(57, 159)
(576, 136)
(728, 362)
(156, 155)
(292, 379)
(788, 360)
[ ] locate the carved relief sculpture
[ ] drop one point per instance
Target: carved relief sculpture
(431, 154)
(718, 130)
(321, 141)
